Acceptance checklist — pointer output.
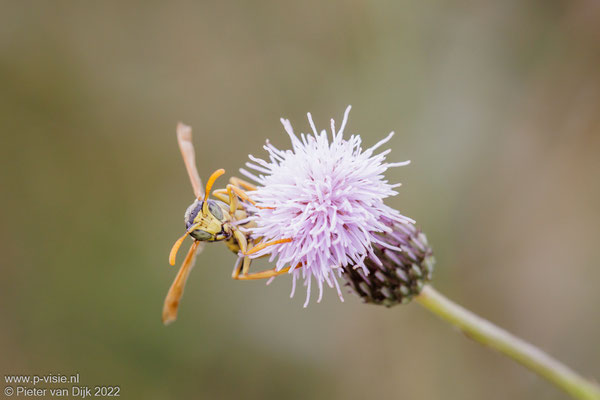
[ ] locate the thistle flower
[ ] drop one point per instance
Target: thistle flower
(319, 210)
(321, 204)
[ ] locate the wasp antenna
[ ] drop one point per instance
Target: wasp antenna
(177, 244)
(175, 249)
(215, 175)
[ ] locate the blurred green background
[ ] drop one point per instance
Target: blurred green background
(497, 103)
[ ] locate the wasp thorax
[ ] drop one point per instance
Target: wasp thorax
(209, 226)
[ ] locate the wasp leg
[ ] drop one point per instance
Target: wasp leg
(241, 183)
(269, 273)
(237, 267)
(246, 260)
(242, 195)
(233, 198)
(243, 244)
(221, 194)
(231, 195)
(261, 246)
(241, 268)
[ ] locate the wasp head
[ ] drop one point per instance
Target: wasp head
(209, 225)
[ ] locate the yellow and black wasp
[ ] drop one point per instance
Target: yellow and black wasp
(208, 220)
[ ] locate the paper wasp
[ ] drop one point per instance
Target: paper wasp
(210, 220)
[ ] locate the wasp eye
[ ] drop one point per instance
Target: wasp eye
(191, 213)
(215, 210)
(199, 234)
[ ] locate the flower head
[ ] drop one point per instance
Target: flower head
(322, 203)
(394, 277)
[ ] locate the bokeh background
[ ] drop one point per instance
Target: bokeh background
(497, 103)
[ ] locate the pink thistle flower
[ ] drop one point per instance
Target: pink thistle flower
(327, 197)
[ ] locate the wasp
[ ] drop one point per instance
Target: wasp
(208, 220)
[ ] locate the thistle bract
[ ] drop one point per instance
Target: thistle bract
(394, 277)
(325, 199)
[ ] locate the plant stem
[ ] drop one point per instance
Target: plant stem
(497, 338)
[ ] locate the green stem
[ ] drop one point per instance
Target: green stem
(497, 338)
